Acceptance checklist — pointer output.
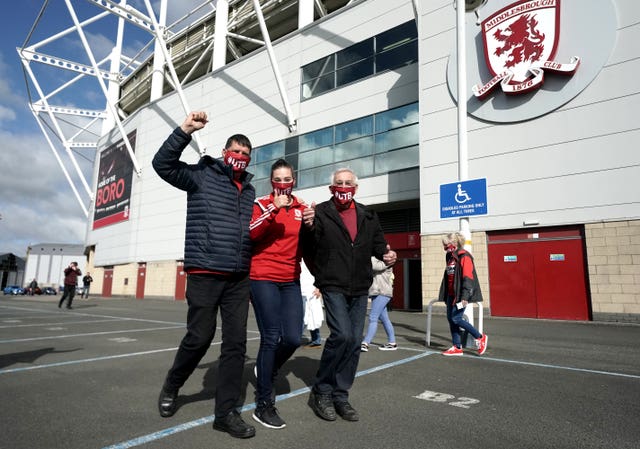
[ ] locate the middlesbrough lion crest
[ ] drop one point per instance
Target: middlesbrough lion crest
(520, 43)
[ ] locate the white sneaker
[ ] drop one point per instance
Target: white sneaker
(364, 347)
(389, 347)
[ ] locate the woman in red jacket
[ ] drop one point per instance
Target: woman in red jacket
(459, 287)
(276, 224)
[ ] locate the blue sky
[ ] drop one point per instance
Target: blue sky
(37, 205)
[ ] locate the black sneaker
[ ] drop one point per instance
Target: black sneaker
(346, 411)
(167, 403)
(234, 425)
(267, 415)
(322, 405)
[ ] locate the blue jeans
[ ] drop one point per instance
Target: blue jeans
(278, 310)
(456, 321)
(345, 317)
(379, 311)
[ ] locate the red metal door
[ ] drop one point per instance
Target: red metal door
(181, 281)
(107, 282)
(561, 283)
(142, 272)
(538, 273)
(512, 281)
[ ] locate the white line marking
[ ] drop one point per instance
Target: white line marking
(209, 419)
(57, 324)
(16, 340)
(96, 359)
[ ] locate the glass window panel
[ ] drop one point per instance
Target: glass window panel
(396, 36)
(355, 53)
(397, 138)
(318, 86)
(315, 158)
(397, 117)
(361, 167)
(354, 129)
(400, 56)
(397, 160)
(268, 152)
(353, 149)
(354, 72)
(262, 170)
(319, 176)
(262, 186)
(315, 139)
(318, 68)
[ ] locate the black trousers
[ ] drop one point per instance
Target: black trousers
(206, 293)
(68, 293)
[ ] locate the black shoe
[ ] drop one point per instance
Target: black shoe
(347, 412)
(234, 426)
(322, 405)
(267, 415)
(167, 403)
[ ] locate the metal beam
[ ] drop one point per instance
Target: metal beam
(128, 13)
(105, 92)
(38, 107)
(172, 71)
(61, 63)
(291, 122)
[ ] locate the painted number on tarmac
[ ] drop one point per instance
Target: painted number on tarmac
(448, 399)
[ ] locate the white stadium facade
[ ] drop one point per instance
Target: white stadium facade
(539, 165)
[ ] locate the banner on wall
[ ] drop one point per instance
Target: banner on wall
(113, 192)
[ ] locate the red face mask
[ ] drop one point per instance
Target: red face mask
(237, 161)
(450, 248)
(282, 188)
(343, 195)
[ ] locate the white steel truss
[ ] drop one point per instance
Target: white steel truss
(69, 126)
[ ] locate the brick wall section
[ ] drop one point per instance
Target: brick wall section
(433, 266)
(120, 273)
(613, 257)
(161, 279)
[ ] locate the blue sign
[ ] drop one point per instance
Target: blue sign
(463, 198)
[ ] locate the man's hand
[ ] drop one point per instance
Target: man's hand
(390, 257)
(308, 215)
(194, 121)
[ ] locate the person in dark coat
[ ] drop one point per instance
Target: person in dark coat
(338, 253)
(71, 274)
(217, 254)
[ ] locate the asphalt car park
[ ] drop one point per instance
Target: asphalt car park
(90, 377)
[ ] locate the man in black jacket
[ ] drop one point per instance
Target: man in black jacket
(339, 250)
(217, 253)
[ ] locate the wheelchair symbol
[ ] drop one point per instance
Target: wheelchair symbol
(462, 196)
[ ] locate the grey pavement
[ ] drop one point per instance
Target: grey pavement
(90, 377)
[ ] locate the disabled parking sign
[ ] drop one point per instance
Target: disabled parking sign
(463, 198)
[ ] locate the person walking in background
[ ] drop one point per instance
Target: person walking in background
(71, 274)
(276, 224)
(86, 284)
(217, 255)
(312, 303)
(380, 292)
(32, 286)
(459, 287)
(338, 251)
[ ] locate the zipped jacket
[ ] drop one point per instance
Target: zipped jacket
(465, 279)
(218, 214)
(338, 263)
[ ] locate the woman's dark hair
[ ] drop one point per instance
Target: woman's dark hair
(281, 163)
